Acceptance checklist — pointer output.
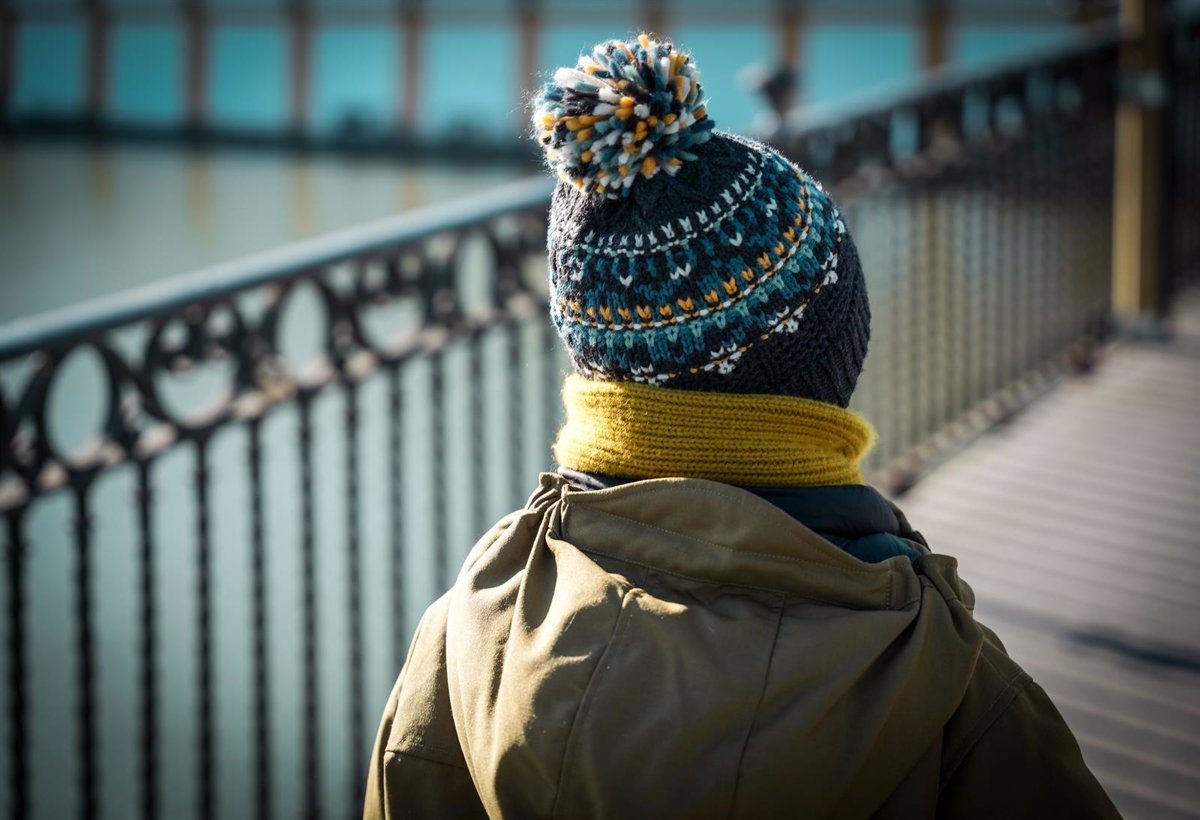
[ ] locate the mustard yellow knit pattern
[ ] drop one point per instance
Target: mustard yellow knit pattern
(638, 431)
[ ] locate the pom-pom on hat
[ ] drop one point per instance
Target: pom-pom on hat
(684, 257)
(626, 110)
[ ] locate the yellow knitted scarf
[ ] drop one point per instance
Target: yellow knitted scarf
(637, 431)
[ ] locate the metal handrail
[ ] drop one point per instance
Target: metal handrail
(65, 325)
(23, 336)
(948, 79)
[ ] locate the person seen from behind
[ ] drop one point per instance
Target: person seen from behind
(705, 612)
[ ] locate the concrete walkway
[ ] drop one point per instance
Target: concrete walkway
(1078, 526)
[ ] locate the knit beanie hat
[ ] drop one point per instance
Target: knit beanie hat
(685, 257)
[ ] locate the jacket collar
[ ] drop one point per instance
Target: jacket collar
(716, 532)
(854, 517)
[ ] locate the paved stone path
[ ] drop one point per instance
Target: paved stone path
(1078, 526)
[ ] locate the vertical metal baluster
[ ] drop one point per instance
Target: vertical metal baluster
(18, 729)
(1026, 257)
(309, 718)
(396, 513)
(908, 306)
(946, 345)
(1081, 254)
(258, 582)
(517, 478)
(935, 286)
(985, 270)
(1000, 247)
(1103, 185)
(1084, 193)
(1080, 248)
(205, 706)
(953, 344)
(889, 374)
(961, 351)
(1018, 249)
(1052, 235)
(478, 448)
(1064, 259)
(1033, 254)
(925, 354)
(1004, 272)
(437, 396)
(149, 642)
(1012, 259)
(1040, 272)
(893, 355)
(914, 363)
(963, 275)
(1066, 265)
(977, 366)
(356, 708)
(85, 644)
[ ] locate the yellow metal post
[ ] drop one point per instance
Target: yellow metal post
(1137, 246)
(300, 18)
(412, 24)
(529, 28)
(790, 22)
(195, 64)
(654, 17)
(97, 59)
(935, 33)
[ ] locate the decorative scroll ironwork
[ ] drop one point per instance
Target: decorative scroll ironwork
(981, 206)
(242, 335)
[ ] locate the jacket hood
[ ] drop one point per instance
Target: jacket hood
(683, 648)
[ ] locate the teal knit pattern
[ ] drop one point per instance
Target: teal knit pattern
(695, 293)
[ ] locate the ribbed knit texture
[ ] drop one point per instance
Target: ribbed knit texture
(633, 430)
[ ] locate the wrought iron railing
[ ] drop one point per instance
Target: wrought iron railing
(311, 438)
(311, 349)
(1183, 154)
(409, 29)
(982, 207)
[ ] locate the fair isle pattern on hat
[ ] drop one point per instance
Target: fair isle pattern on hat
(627, 110)
(693, 293)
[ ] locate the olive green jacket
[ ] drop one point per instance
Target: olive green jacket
(683, 648)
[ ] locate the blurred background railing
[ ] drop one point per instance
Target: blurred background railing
(386, 74)
(313, 437)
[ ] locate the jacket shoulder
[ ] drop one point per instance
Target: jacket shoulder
(1008, 753)
(418, 769)
(422, 724)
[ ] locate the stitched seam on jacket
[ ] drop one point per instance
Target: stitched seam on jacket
(950, 596)
(737, 780)
(788, 558)
(403, 679)
(423, 752)
(619, 629)
(788, 594)
(999, 705)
